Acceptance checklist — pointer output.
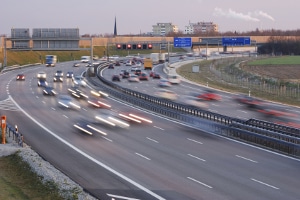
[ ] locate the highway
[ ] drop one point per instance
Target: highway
(158, 160)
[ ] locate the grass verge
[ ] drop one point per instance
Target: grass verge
(17, 181)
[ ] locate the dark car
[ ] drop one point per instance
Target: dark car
(58, 78)
(138, 72)
(249, 101)
(69, 74)
(20, 77)
(124, 74)
(117, 63)
(42, 83)
(77, 93)
(115, 77)
(111, 66)
(49, 91)
(155, 76)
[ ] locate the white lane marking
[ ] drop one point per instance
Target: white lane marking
(121, 197)
(44, 102)
(196, 157)
(215, 111)
(53, 108)
(84, 109)
(66, 116)
(215, 105)
(242, 111)
(107, 139)
(152, 140)
(36, 97)
(271, 186)
(194, 141)
(200, 182)
(142, 156)
(158, 127)
(90, 157)
(246, 158)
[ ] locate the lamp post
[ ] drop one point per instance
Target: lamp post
(206, 49)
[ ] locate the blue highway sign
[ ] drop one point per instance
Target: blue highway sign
(183, 42)
(236, 41)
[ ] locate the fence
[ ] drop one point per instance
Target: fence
(14, 133)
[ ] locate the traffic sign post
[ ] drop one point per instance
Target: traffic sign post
(3, 126)
(180, 42)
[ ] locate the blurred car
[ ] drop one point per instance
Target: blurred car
(151, 73)
(209, 95)
(65, 101)
(115, 77)
(49, 91)
(250, 102)
(41, 75)
(87, 127)
(137, 72)
(124, 73)
(133, 78)
(111, 118)
(128, 63)
(138, 64)
(111, 66)
(117, 63)
(143, 77)
(133, 68)
(79, 80)
(76, 65)
(166, 94)
(98, 102)
(20, 77)
(195, 102)
(42, 83)
(174, 79)
(59, 73)
(155, 76)
(58, 78)
(77, 93)
(164, 83)
(69, 74)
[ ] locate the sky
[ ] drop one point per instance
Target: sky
(138, 16)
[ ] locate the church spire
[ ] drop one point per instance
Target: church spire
(115, 28)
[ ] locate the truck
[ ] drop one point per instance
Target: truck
(162, 58)
(155, 58)
(148, 64)
(51, 60)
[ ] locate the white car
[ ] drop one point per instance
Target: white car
(128, 63)
(133, 78)
(41, 75)
(78, 80)
(166, 94)
(195, 102)
(174, 79)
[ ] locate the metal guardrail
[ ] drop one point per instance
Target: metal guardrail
(17, 137)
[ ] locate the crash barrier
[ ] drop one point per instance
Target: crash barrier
(252, 131)
(10, 68)
(13, 132)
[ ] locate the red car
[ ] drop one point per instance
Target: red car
(20, 77)
(143, 76)
(209, 95)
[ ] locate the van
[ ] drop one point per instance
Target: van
(85, 59)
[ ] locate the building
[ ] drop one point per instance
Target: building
(201, 27)
(162, 29)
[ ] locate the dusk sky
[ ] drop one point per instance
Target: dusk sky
(138, 16)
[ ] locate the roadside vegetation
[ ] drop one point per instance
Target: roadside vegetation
(17, 181)
(237, 75)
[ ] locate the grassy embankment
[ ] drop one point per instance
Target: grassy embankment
(207, 77)
(17, 181)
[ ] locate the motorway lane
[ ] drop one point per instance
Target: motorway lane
(166, 171)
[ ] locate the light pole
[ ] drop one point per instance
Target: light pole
(206, 49)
